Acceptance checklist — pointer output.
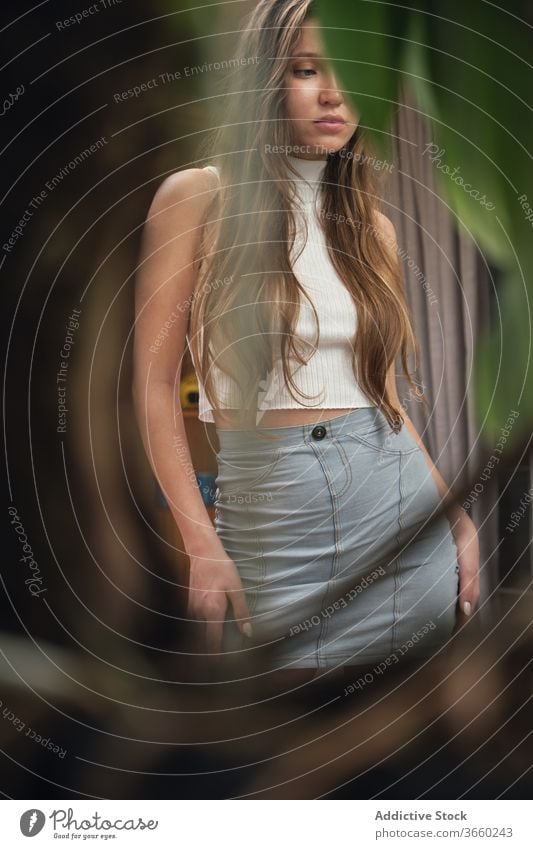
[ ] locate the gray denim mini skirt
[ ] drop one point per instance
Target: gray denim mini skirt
(329, 527)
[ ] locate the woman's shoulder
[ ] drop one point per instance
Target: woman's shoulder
(193, 186)
(213, 169)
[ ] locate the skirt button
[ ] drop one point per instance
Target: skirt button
(318, 432)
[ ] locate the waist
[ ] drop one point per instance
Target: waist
(228, 419)
(363, 419)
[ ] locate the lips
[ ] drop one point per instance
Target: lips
(330, 124)
(330, 119)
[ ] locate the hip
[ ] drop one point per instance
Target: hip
(351, 471)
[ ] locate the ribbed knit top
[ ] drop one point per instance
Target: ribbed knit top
(328, 376)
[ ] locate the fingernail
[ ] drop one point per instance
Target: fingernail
(247, 629)
(467, 608)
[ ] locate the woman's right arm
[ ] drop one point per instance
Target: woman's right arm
(164, 285)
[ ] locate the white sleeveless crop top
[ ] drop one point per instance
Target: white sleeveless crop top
(327, 378)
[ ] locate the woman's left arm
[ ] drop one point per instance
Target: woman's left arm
(463, 529)
(464, 533)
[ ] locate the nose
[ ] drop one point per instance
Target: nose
(331, 93)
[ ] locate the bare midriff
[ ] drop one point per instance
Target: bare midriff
(228, 419)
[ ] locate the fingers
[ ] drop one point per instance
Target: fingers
(213, 636)
(240, 609)
(468, 594)
(212, 615)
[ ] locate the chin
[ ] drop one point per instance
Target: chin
(330, 145)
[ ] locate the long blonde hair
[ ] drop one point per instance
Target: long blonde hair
(245, 308)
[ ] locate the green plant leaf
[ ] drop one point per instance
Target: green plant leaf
(363, 44)
(467, 66)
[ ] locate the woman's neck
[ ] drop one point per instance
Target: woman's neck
(309, 170)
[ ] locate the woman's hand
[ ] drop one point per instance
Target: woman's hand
(467, 543)
(213, 578)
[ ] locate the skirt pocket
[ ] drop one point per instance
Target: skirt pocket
(239, 473)
(383, 440)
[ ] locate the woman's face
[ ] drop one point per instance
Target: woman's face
(312, 95)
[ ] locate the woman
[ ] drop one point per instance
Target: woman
(277, 269)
